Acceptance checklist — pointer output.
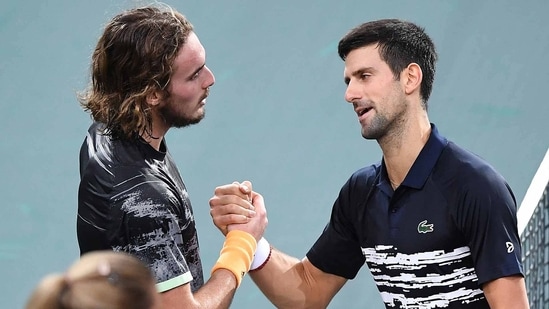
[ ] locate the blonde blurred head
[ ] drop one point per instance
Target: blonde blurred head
(100, 279)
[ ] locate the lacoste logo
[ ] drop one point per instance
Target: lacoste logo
(510, 247)
(423, 227)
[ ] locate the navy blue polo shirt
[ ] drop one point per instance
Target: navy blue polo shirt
(447, 229)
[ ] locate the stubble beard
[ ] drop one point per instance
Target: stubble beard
(176, 119)
(383, 127)
(377, 128)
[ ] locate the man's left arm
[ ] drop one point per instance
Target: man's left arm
(488, 219)
(506, 292)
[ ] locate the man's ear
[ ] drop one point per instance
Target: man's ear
(153, 98)
(412, 77)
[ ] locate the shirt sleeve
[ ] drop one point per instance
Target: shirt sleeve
(487, 217)
(146, 226)
(337, 251)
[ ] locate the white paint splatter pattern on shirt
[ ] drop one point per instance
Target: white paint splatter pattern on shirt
(133, 199)
(405, 277)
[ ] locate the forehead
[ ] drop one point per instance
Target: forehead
(363, 57)
(190, 56)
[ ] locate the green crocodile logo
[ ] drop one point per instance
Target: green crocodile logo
(423, 227)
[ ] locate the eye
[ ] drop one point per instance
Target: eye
(195, 76)
(364, 76)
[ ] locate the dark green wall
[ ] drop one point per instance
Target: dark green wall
(276, 115)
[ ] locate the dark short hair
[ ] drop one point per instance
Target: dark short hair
(400, 43)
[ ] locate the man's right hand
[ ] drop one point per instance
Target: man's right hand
(236, 206)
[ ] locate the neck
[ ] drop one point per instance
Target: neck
(158, 130)
(154, 142)
(402, 147)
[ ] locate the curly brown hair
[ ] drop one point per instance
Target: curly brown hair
(133, 58)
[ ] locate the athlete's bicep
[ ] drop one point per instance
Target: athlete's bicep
(324, 284)
(506, 292)
(176, 297)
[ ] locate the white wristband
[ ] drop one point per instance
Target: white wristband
(261, 253)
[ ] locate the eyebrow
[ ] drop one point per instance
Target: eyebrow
(358, 72)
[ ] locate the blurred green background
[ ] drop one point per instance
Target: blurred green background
(276, 115)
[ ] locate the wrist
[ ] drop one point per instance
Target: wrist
(236, 254)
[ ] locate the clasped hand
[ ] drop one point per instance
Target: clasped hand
(237, 207)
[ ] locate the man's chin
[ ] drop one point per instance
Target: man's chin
(181, 123)
(370, 135)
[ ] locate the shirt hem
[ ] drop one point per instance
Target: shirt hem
(174, 282)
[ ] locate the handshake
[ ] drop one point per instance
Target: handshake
(240, 214)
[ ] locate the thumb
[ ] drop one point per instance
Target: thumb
(258, 201)
(246, 187)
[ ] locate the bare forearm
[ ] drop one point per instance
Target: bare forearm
(291, 283)
(218, 292)
(234, 261)
(280, 280)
